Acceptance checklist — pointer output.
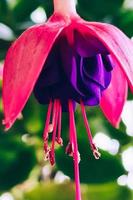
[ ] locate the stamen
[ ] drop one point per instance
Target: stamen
(51, 126)
(45, 133)
(93, 146)
(69, 148)
(72, 130)
(51, 157)
(59, 139)
(46, 149)
(55, 113)
(46, 129)
(46, 158)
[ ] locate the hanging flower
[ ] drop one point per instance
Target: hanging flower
(68, 61)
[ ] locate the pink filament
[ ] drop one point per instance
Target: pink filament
(45, 133)
(59, 140)
(52, 127)
(54, 112)
(55, 124)
(55, 116)
(93, 147)
(86, 123)
(75, 148)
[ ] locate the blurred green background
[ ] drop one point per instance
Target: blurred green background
(24, 175)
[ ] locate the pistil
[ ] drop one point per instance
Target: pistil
(72, 130)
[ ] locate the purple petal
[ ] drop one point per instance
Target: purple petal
(88, 46)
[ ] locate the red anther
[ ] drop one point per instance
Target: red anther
(59, 141)
(96, 154)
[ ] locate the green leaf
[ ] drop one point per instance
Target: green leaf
(98, 9)
(48, 6)
(130, 95)
(51, 191)
(3, 7)
(108, 191)
(16, 161)
(23, 9)
(34, 116)
(108, 168)
(5, 13)
(124, 21)
(66, 191)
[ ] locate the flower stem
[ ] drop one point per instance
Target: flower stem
(65, 7)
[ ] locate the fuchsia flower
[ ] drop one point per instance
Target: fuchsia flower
(67, 61)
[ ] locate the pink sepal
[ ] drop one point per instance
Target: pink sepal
(118, 44)
(114, 97)
(23, 64)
